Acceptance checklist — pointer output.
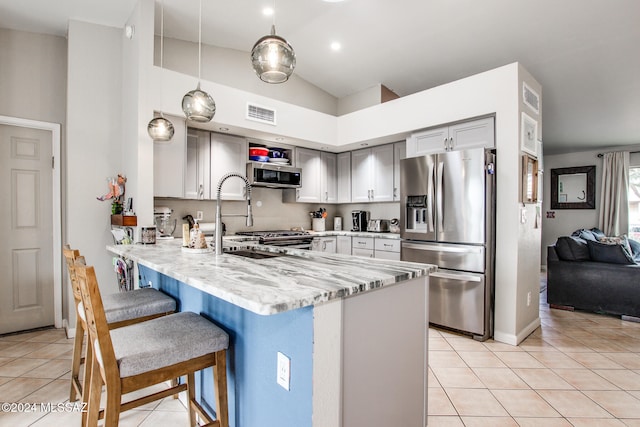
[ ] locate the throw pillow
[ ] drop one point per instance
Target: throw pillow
(572, 249)
(616, 240)
(597, 233)
(635, 249)
(614, 254)
(585, 235)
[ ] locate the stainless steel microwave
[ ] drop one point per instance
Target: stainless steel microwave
(272, 175)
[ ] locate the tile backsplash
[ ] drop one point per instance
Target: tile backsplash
(270, 213)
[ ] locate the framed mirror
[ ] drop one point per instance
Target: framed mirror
(573, 188)
(529, 179)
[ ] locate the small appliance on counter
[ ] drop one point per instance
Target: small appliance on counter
(378, 225)
(359, 220)
(165, 226)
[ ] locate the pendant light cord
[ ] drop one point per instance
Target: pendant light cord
(200, 42)
(161, 52)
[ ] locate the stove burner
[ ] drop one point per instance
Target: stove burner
(300, 239)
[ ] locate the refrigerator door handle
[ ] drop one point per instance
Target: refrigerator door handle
(440, 196)
(430, 200)
(438, 248)
(461, 277)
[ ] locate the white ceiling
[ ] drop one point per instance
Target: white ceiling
(585, 53)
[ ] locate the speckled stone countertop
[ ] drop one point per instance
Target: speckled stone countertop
(271, 285)
(393, 236)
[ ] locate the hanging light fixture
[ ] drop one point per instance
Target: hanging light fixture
(272, 57)
(159, 128)
(197, 104)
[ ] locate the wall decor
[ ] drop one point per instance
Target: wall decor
(528, 134)
(573, 188)
(529, 179)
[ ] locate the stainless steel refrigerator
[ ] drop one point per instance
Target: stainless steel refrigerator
(447, 218)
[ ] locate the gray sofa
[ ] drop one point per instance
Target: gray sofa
(585, 274)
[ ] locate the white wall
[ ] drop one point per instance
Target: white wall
(94, 135)
(233, 68)
(358, 101)
(33, 80)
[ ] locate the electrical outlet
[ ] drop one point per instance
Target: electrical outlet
(284, 371)
(528, 298)
(199, 215)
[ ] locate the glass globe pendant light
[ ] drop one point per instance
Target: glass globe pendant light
(197, 104)
(159, 128)
(272, 57)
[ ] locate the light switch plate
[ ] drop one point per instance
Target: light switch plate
(284, 371)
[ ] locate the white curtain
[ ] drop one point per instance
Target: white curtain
(614, 207)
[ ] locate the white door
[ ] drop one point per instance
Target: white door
(26, 229)
(329, 170)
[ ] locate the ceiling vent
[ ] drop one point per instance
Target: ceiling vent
(530, 98)
(261, 114)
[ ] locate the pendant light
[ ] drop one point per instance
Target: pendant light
(159, 128)
(197, 104)
(272, 57)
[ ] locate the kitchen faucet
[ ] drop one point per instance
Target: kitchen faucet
(249, 214)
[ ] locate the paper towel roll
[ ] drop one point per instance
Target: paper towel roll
(208, 227)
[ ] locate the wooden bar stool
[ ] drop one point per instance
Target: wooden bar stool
(138, 356)
(121, 309)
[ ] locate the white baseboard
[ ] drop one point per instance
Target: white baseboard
(512, 339)
(71, 332)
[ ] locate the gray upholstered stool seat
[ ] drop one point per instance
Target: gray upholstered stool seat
(165, 341)
(136, 304)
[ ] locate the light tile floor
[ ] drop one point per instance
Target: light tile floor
(577, 369)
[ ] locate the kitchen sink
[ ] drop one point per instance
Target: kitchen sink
(248, 253)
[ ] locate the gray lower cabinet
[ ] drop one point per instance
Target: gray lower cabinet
(387, 249)
(324, 244)
(343, 245)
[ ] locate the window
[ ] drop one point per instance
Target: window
(634, 203)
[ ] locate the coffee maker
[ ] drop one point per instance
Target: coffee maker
(359, 220)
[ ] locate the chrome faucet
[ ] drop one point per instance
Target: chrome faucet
(249, 214)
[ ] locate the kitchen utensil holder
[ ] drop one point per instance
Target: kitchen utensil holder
(317, 224)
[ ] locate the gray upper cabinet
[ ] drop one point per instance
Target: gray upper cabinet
(399, 153)
(471, 134)
(344, 177)
(169, 161)
(372, 174)
(311, 164)
(197, 182)
(228, 154)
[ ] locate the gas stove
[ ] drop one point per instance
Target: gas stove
(289, 238)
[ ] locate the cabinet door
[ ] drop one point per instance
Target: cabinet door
(310, 163)
(169, 161)
(392, 256)
(344, 177)
(343, 245)
(328, 179)
(361, 175)
(399, 153)
(228, 154)
(476, 133)
(329, 245)
(382, 173)
(362, 252)
(197, 178)
(427, 142)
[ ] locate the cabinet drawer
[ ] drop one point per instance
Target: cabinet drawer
(362, 252)
(362, 242)
(389, 245)
(394, 256)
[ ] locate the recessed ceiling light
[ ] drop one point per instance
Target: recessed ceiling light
(336, 46)
(224, 129)
(279, 138)
(364, 144)
(267, 11)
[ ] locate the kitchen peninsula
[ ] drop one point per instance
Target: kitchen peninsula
(353, 329)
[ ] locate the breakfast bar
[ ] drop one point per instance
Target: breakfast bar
(316, 339)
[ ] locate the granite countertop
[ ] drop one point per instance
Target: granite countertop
(271, 285)
(393, 236)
